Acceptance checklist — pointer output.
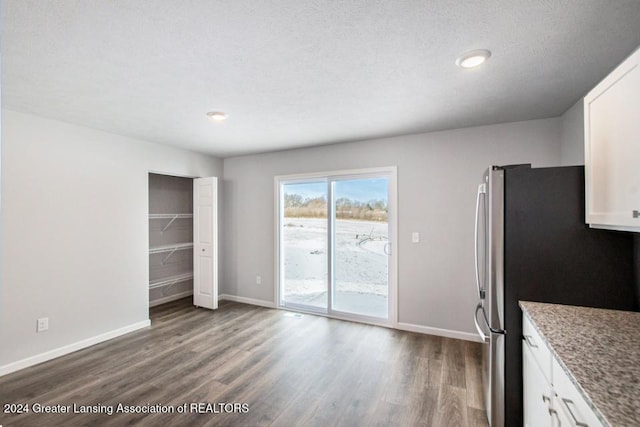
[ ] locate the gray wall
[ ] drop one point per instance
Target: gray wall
(75, 241)
(438, 175)
(572, 135)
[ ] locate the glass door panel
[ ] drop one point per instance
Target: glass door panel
(304, 244)
(360, 246)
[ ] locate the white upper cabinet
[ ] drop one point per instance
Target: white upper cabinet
(612, 149)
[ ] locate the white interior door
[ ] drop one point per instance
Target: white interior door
(205, 243)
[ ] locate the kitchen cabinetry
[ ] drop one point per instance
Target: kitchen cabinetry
(550, 398)
(537, 392)
(570, 404)
(536, 371)
(594, 369)
(612, 149)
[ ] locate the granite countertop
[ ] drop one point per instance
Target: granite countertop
(600, 350)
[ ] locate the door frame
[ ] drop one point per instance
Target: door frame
(392, 173)
(170, 174)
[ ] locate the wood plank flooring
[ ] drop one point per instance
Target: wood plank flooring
(289, 371)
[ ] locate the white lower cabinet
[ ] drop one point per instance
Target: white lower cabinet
(561, 415)
(551, 399)
(570, 403)
(537, 392)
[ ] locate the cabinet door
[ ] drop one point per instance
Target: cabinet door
(612, 149)
(570, 403)
(537, 392)
(560, 416)
(205, 242)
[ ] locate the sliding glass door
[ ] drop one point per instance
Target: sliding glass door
(334, 244)
(304, 244)
(360, 238)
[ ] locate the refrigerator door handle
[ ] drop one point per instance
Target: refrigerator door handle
(482, 190)
(486, 321)
(484, 337)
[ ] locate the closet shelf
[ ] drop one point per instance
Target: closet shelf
(170, 280)
(170, 248)
(170, 216)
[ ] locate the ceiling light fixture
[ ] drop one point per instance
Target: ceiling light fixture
(217, 116)
(473, 59)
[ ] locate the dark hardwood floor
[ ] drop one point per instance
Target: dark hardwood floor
(289, 371)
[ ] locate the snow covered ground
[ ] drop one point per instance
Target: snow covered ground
(361, 278)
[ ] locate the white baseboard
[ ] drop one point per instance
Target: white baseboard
(170, 298)
(402, 326)
(70, 348)
(439, 332)
(252, 301)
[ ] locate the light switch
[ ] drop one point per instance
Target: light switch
(415, 237)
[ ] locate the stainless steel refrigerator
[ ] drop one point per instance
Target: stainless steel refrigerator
(532, 244)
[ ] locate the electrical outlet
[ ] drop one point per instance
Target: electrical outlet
(258, 280)
(415, 237)
(43, 324)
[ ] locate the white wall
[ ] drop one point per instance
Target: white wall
(75, 243)
(572, 135)
(438, 175)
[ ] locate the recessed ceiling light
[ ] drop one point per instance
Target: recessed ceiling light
(217, 116)
(473, 58)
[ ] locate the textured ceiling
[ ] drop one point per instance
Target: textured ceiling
(294, 73)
